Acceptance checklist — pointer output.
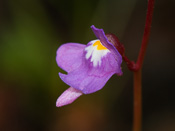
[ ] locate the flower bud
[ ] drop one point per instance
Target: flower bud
(115, 41)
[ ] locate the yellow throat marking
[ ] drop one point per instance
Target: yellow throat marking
(99, 45)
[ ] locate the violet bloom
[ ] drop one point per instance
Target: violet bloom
(88, 67)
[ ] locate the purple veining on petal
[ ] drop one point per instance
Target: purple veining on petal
(69, 56)
(99, 33)
(68, 96)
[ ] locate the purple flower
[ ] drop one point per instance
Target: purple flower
(88, 67)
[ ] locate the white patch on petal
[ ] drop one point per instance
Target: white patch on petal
(95, 53)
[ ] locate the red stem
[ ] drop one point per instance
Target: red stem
(136, 67)
(137, 118)
(114, 40)
(146, 34)
(137, 107)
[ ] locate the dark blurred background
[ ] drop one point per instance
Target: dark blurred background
(32, 30)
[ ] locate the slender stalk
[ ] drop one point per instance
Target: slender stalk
(137, 116)
(136, 67)
(137, 107)
(146, 33)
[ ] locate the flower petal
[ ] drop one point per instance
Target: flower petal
(99, 33)
(88, 78)
(69, 56)
(68, 96)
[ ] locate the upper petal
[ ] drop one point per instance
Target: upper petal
(69, 56)
(99, 33)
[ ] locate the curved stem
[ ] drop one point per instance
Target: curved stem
(137, 118)
(146, 33)
(136, 67)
